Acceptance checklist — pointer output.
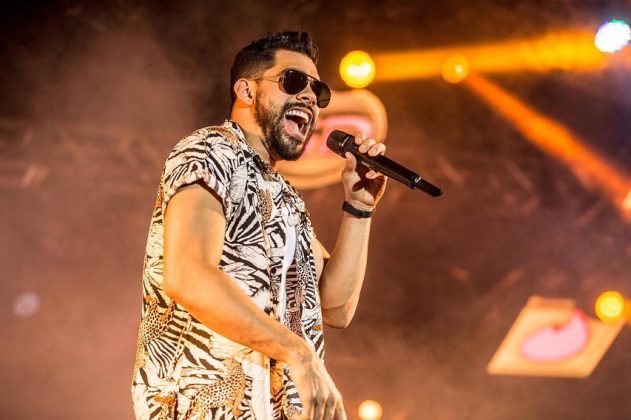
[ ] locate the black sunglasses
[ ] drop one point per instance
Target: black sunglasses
(294, 81)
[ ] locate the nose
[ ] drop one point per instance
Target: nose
(307, 95)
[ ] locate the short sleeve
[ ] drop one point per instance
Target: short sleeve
(203, 156)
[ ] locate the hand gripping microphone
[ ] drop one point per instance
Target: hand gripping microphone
(341, 142)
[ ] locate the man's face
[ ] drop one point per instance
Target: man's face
(286, 121)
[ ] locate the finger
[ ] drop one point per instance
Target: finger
(319, 405)
(360, 137)
(351, 162)
(363, 148)
(377, 149)
(329, 410)
(340, 412)
(372, 174)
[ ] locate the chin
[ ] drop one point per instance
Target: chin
(290, 148)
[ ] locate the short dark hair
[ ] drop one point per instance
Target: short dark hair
(260, 55)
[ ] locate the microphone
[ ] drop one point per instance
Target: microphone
(341, 142)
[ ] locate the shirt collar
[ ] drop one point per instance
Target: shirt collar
(246, 147)
(236, 127)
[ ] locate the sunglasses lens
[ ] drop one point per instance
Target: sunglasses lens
(294, 82)
(323, 93)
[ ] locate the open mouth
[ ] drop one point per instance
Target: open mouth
(297, 123)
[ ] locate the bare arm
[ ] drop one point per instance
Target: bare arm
(194, 232)
(343, 273)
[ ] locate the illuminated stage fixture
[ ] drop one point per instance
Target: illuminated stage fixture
(612, 36)
(357, 69)
(455, 68)
(370, 410)
(556, 140)
(611, 307)
(568, 50)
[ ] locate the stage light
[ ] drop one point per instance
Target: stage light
(455, 68)
(610, 307)
(370, 410)
(357, 69)
(612, 36)
(569, 50)
(592, 169)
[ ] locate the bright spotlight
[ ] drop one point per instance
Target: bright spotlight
(610, 307)
(370, 410)
(612, 36)
(357, 69)
(456, 68)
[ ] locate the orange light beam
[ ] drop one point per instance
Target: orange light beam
(566, 50)
(556, 140)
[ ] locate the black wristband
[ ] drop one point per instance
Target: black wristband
(362, 214)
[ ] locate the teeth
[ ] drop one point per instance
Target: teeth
(300, 114)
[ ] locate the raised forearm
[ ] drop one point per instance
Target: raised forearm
(343, 275)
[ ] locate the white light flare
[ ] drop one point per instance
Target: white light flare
(370, 410)
(613, 36)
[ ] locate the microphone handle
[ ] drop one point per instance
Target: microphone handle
(389, 168)
(393, 170)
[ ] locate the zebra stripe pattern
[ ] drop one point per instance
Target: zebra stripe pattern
(184, 369)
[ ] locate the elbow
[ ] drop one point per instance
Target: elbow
(338, 325)
(174, 283)
(183, 282)
(171, 288)
(337, 318)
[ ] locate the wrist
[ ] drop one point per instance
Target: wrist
(359, 205)
(301, 353)
(358, 212)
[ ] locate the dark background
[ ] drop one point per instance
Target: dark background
(94, 95)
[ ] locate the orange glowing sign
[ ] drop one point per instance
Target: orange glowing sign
(551, 337)
(353, 111)
(557, 342)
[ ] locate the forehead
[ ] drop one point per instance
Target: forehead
(292, 60)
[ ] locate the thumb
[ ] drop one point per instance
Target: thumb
(351, 162)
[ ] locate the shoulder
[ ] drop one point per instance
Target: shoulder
(205, 139)
(214, 146)
(211, 156)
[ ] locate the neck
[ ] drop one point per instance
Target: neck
(253, 135)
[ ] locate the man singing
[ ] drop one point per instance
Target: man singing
(235, 284)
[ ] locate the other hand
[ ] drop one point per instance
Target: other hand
(320, 398)
(363, 187)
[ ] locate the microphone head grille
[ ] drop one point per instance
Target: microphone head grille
(335, 141)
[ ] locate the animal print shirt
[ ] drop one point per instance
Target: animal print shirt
(184, 369)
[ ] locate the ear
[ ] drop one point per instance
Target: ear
(245, 90)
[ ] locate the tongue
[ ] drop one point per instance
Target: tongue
(293, 129)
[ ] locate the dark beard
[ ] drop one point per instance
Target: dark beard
(280, 145)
